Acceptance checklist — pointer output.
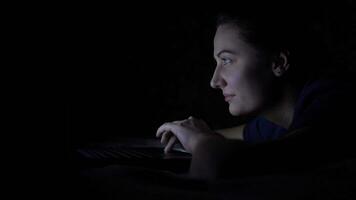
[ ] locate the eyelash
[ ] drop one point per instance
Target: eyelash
(226, 61)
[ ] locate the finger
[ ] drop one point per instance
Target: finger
(180, 122)
(161, 130)
(169, 127)
(170, 144)
(165, 137)
(177, 122)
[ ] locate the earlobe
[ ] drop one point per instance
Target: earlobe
(280, 64)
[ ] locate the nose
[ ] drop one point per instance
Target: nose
(217, 81)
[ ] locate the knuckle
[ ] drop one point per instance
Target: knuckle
(166, 134)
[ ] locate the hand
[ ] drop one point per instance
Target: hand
(188, 132)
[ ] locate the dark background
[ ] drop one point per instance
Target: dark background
(129, 70)
(129, 74)
(118, 71)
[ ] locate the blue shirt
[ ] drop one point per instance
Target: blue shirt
(320, 103)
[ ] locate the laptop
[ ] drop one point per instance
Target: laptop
(138, 152)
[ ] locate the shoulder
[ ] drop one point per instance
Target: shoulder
(261, 130)
(324, 100)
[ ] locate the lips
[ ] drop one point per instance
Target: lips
(228, 97)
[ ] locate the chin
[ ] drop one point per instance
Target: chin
(234, 111)
(237, 111)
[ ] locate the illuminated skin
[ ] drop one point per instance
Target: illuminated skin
(247, 79)
(241, 72)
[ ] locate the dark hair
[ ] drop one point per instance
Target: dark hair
(274, 29)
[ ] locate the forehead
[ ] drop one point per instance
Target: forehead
(227, 37)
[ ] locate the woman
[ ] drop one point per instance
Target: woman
(267, 68)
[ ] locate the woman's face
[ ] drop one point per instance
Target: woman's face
(242, 73)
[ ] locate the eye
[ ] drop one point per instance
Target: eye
(226, 61)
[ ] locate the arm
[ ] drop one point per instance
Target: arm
(233, 132)
(225, 158)
(211, 152)
(212, 156)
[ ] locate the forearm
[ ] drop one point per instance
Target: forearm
(224, 158)
(232, 132)
(212, 157)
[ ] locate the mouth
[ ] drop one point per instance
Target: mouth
(228, 97)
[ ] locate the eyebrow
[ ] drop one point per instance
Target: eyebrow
(225, 51)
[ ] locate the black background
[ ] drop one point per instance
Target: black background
(129, 74)
(128, 70)
(90, 73)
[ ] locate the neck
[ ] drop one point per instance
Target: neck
(281, 112)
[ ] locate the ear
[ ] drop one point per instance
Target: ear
(280, 64)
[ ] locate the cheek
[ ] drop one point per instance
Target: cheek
(244, 84)
(250, 94)
(250, 83)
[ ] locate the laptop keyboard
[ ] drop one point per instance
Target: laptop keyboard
(130, 153)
